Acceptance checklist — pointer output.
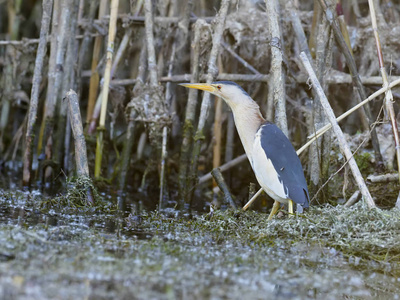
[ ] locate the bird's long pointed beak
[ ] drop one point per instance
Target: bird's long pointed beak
(200, 86)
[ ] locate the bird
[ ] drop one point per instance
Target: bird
(271, 155)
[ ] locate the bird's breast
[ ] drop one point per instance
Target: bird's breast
(265, 172)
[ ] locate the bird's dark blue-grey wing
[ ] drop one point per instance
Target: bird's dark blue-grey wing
(287, 164)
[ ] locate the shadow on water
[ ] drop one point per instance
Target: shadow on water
(90, 253)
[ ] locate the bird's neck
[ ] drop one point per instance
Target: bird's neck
(248, 120)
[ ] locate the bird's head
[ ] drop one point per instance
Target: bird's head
(232, 93)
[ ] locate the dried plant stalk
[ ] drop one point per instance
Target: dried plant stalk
(106, 85)
(82, 167)
(95, 77)
(36, 81)
(151, 53)
(188, 129)
(277, 83)
(219, 179)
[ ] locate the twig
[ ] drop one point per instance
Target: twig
(353, 199)
(219, 179)
(239, 59)
(224, 167)
(82, 166)
(252, 199)
(36, 81)
(339, 134)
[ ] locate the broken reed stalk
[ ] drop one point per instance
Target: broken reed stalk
(162, 172)
(95, 77)
(355, 75)
(47, 7)
(338, 132)
(276, 85)
(252, 199)
(190, 115)
(82, 167)
(224, 167)
(219, 179)
(211, 74)
(353, 199)
(388, 94)
(106, 85)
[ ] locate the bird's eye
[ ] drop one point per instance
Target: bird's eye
(219, 87)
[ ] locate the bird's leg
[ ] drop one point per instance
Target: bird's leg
(275, 208)
(290, 207)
